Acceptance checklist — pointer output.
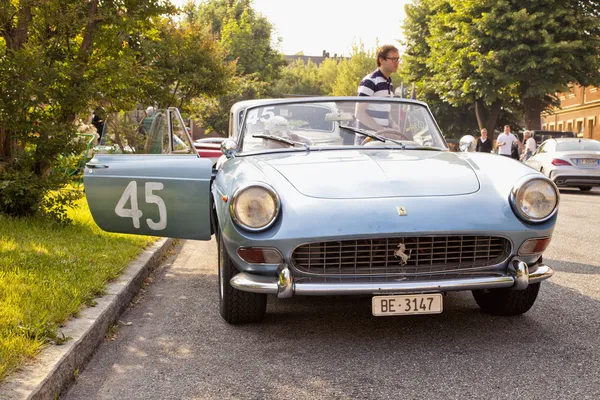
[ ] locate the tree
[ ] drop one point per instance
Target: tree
(328, 72)
(544, 47)
(440, 58)
(489, 53)
(245, 34)
(45, 55)
(184, 62)
(212, 112)
(299, 78)
(351, 71)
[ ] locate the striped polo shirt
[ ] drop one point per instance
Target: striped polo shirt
(377, 85)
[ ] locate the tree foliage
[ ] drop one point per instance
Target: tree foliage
(493, 53)
(184, 62)
(352, 71)
(44, 64)
(59, 57)
(212, 112)
(299, 78)
(246, 35)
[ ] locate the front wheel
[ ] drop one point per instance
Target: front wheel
(236, 306)
(506, 302)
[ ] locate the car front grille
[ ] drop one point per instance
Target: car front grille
(417, 255)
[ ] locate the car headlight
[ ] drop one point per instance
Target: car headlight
(255, 207)
(534, 199)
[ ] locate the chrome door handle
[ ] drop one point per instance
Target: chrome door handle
(91, 165)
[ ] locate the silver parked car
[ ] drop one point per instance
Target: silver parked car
(338, 196)
(569, 162)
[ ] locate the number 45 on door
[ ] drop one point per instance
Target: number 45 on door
(135, 213)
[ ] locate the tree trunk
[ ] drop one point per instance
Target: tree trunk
(85, 49)
(532, 111)
(480, 113)
(15, 37)
(6, 145)
(485, 119)
(84, 52)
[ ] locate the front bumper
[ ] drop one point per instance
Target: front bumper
(518, 277)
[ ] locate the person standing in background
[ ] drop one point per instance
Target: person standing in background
(484, 145)
(505, 141)
(530, 146)
(98, 121)
(378, 84)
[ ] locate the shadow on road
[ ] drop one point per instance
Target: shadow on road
(573, 267)
(332, 347)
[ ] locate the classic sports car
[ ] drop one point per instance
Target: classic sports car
(569, 162)
(336, 196)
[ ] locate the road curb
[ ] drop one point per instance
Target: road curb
(57, 366)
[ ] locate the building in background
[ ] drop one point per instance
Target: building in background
(315, 59)
(579, 112)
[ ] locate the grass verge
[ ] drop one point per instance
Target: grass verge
(48, 271)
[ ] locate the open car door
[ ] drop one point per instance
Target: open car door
(146, 178)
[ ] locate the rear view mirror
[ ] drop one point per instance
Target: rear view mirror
(339, 116)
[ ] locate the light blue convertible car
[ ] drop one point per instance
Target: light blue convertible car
(333, 196)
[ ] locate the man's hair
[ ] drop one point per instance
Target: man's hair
(383, 51)
(506, 126)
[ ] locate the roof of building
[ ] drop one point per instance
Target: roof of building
(315, 59)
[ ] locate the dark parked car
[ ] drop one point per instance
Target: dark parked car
(542, 136)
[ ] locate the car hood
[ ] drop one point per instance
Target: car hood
(360, 174)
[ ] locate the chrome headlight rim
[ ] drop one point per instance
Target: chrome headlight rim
(513, 199)
(242, 189)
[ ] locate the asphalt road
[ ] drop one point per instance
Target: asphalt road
(174, 345)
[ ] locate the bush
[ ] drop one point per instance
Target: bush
(31, 187)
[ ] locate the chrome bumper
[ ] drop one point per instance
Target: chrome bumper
(518, 278)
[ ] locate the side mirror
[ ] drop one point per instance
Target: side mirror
(467, 143)
(229, 148)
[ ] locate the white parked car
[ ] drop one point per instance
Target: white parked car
(569, 162)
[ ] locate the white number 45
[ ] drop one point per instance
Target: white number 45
(135, 213)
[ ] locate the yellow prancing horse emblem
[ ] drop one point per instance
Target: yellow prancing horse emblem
(401, 211)
(400, 253)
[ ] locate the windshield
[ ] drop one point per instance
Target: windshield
(578, 145)
(338, 124)
(145, 132)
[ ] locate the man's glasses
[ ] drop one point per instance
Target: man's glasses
(394, 59)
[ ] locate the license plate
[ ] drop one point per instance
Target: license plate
(582, 161)
(407, 304)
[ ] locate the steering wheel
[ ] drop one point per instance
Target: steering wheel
(388, 133)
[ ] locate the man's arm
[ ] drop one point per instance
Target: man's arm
(366, 88)
(363, 116)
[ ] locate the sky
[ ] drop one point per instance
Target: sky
(311, 26)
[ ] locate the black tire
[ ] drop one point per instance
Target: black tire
(506, 302)
(585, 188)
(236, 306)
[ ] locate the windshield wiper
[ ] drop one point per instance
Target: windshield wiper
(372, 135)
(282, 140)
(363, 132)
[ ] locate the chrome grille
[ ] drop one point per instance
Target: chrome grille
(392, 256)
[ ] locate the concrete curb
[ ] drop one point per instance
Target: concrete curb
(56, 366)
